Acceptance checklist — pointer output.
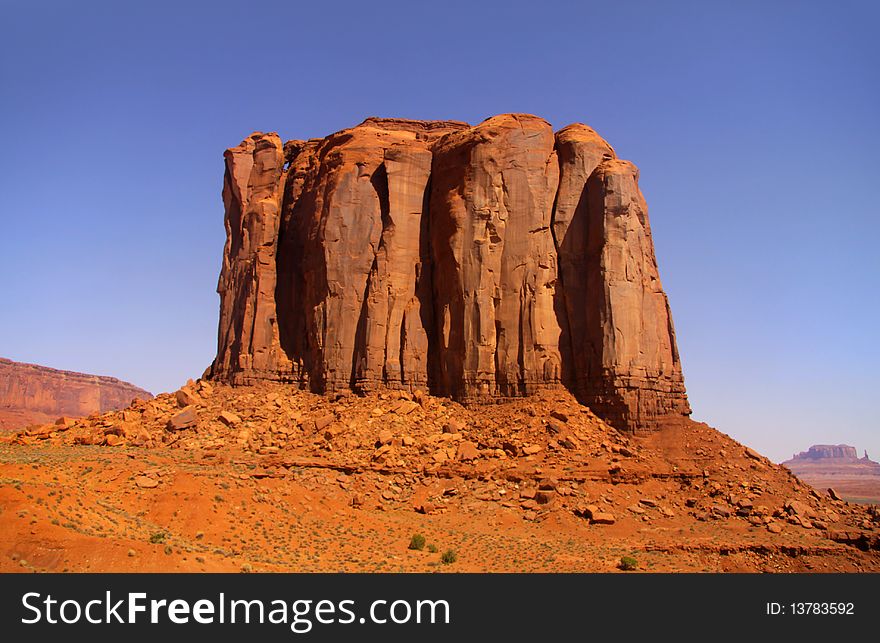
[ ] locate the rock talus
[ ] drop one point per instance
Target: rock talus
(481, 263)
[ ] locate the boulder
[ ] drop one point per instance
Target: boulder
(183, 419)
(385, 437)
(229, 418)
(602, 518)
(467, 451)
(186, 398)
(146, 482)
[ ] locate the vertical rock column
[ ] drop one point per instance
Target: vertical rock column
(248, 344)
(353, 256)
(580, 151)
(343, 225)
(495, 270)
(636, 383)
(395, 346)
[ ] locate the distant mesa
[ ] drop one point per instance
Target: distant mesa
(825, 452)
(480, 263)
(838, 467)
(32, 394)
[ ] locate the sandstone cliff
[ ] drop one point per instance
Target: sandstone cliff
(481, 263)
(31, 394)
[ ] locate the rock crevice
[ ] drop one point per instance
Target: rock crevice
(481, 263)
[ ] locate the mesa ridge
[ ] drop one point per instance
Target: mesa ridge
(478, 263)
(33, 394)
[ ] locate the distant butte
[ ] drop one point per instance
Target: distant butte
(480, 263)
(838, 467)
(32, 394)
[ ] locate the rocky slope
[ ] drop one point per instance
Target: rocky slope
(838, 467)
(480, 263)
(31, 394)
(266, 478)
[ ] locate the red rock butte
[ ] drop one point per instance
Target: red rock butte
(479, 263)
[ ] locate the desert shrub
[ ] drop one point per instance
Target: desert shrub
(158, 537)
(433, 548)
(449, 556)
(417, 542)
(628, 563)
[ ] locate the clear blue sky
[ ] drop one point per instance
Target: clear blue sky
(755, 125)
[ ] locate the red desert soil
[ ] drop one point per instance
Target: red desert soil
(215, 478)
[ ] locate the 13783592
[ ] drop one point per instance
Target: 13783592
(810, 608)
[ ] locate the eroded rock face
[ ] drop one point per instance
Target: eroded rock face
(580, 151)
(32, 394)
(633, 372)
(249, 347)
(491, 208)
(478, 262)
(354, 286)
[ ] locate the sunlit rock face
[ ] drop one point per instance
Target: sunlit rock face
(480, 263)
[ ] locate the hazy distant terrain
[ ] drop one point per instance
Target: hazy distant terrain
(840, 468)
